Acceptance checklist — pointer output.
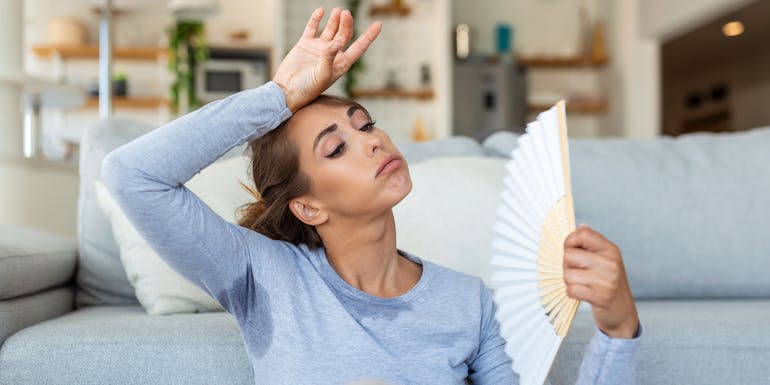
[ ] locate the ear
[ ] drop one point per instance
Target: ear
(308, 211)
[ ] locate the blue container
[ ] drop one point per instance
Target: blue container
(504, 32)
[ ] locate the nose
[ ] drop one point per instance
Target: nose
(372, 142)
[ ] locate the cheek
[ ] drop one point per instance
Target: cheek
(340, 181)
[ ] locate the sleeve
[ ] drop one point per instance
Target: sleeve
(606, 360)
(490, 364)
(146, 178)
(610, 360)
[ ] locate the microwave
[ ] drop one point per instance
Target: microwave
(228, 71)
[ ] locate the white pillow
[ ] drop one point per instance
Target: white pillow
(160, 289)
(448, 216)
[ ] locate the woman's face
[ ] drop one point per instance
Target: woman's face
(354, 168)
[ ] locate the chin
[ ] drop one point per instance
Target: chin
(404, 188)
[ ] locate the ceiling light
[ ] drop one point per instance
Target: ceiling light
(733, 28)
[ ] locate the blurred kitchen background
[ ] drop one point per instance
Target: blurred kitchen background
(627, 68)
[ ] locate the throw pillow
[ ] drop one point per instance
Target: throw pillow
(448, 216)
(160, 289)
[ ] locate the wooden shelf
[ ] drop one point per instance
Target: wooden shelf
(389, 9)
(130, 102)
(421, 94)
(593, 107)
(554, 61)
(92, 52)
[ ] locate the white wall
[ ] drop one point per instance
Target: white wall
(254, 16)
(638, 71)
(403, 45)
(39, 195)
(10, 66)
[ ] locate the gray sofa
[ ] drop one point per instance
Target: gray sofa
(691, 216)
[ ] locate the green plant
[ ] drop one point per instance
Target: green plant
(186, 50)
(352, 76)
(120, 77)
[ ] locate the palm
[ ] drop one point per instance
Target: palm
(315, 63)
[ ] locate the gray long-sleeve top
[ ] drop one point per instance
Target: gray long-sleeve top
(301, 322)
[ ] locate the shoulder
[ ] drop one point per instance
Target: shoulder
(465, 290)
(456, 279)
(270, 258)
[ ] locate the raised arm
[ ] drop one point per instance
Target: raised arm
(146, 176)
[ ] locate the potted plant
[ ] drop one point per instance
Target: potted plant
(186, 50)
(353, 74)
(120, 84)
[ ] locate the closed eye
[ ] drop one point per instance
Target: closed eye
(337, 151)
(341, 147)
(367, 126)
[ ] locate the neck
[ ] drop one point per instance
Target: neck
(364, 254)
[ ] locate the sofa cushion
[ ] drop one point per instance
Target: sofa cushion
(689, 213)
(683, 342)
(32, 260)
(21, 312)
(686, 342)
(454, 146)
(447, 218)
(101, 277)
(125, 345)
(159, 288)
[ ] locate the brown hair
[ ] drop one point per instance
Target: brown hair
(278, 180)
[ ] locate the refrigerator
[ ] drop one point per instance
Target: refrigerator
(488, 97)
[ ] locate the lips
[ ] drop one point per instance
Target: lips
(388, 164)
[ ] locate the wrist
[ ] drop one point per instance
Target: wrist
(289, 97)
(627, 330)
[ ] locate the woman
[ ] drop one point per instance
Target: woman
(320, 291)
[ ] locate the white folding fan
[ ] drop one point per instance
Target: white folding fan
(534, 217)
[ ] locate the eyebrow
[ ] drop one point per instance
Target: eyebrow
(352, 110)
(326, 131)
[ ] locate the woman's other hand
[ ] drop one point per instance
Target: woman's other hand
(315, 63)
(594, 272)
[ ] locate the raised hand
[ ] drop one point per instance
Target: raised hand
(594, 272)
(315, 63)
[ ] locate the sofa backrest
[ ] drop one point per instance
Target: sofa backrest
(101, 279)
(691, 214)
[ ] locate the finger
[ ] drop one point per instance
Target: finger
(579, 259)
(312, 25)
(332, 25)
(578, 277)
(587, 238)
(363, 42)
(580, 292)
(327, 59)
(345, 31)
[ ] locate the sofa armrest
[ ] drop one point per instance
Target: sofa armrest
(32, 261)
(21, 312)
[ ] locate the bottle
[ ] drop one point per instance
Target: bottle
(598, 49)
(419, 133)
(462, 41)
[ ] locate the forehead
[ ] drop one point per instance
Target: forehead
(310, 120)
